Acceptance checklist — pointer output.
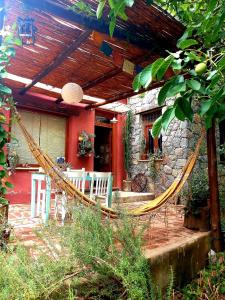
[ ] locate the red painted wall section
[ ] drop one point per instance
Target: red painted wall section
(85, 121)
(21, 193)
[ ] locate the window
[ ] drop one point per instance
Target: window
(151, 145)
(47, 130)
(222, 140)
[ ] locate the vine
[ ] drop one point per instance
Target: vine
(6, 102)
(127, 142)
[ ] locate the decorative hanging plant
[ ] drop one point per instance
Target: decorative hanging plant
(85, 144)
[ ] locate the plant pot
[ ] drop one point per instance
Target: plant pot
(200, 221)
(144, 157)
(127, 185)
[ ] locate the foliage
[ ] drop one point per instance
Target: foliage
(99, 259)
(6, 101)
(198, 192)
(85, 144)
(127, 141)
(210, 284)
(198, 66)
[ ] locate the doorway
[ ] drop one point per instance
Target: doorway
(103, 149)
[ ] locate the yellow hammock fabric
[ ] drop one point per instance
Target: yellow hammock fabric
(63, 183)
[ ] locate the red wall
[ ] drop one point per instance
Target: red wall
(85, 121)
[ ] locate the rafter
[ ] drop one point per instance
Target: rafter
(58, 60)
(114, 72)
(126, 95)
(146, 41)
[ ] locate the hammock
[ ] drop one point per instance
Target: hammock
(65, 184)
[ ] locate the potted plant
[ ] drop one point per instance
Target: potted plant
(197, 210)
(85, 144)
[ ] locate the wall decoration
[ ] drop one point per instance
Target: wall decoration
(128, 67)
(106, 49)
(85, 144)
(98, 38)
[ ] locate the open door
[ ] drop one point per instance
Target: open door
(103, 149)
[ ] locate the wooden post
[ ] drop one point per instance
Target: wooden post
(214, 191)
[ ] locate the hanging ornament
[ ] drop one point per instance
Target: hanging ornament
(72, 93)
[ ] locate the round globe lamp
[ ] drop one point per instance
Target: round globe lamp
(72, 93)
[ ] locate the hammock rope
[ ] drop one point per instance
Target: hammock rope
(65, 184)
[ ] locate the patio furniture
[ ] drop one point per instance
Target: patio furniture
(77, 177)
(101, 185)
(152, 206)
(40, 195)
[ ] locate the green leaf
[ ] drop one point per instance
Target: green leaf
(212, 5)
(137, 83)
(5, 89)
(146, 76)
(205, 106)
(2, 173)
(156, 66)
(194, 84)
(186, 43)
(184, 108)
(3, 190)
(167, 117)
(2, 157)
(8, 184)
(111, 4)
(176, 88)
(221, 64)
(163, 92)
(164, 67)
(179, 113)
(129, 3)
(157, 127)
(100, 8)
(112, 26)
(211, 74)
(3, 201)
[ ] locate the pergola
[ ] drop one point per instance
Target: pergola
(65, 51)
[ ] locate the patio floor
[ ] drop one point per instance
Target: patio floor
(163, 231)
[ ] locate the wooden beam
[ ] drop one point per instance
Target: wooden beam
(116, 71)
(34, 102)
(91, 22)
(214, 190)
(127, 95)
(58, 60)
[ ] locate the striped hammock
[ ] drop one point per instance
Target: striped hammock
(63, 183)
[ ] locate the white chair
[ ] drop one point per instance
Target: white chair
(40, 196)
(77, 177)
(101, 185)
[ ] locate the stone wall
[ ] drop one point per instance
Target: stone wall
(175, 145)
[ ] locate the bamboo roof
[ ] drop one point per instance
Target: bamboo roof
(65, 50)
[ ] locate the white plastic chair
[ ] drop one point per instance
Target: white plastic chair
(101, 185)
(77, 177)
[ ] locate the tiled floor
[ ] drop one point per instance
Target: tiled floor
(161, 231)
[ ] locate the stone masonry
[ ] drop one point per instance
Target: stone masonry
(175, 144)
